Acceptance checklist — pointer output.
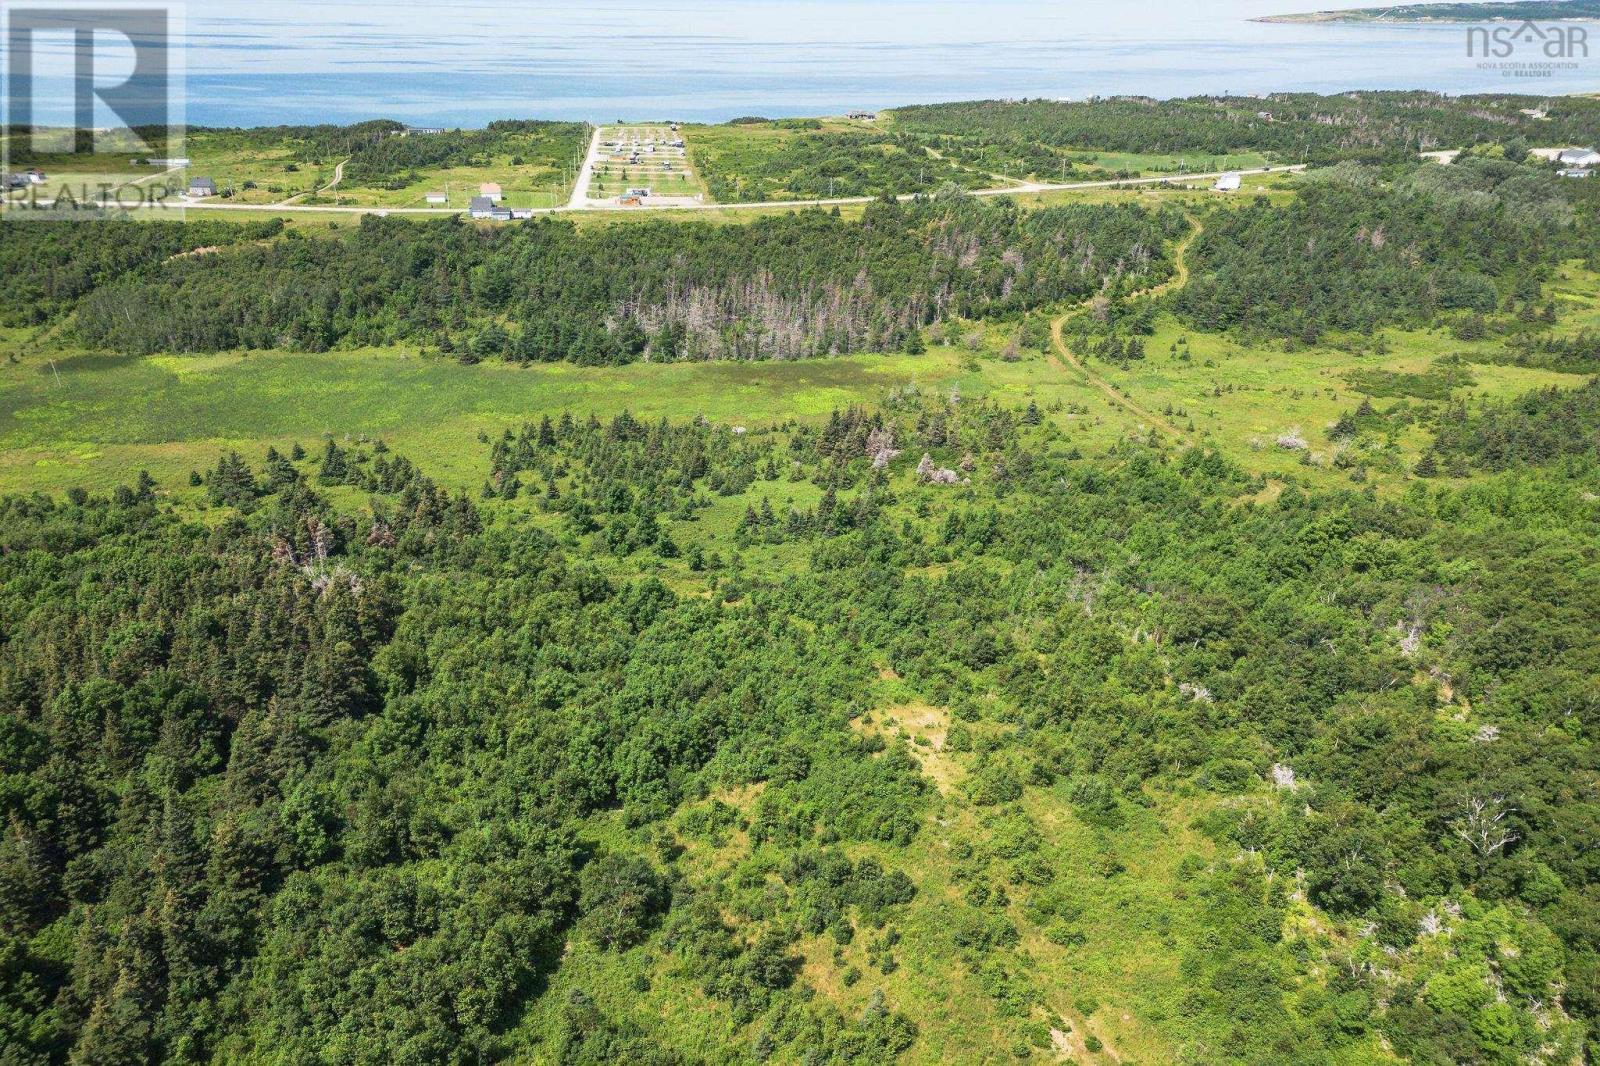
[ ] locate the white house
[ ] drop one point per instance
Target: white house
(438, 198)
(202, 187)
(1579, 157)
(482, 207)
(1229, 182)
(492, 191)
(1577, 172)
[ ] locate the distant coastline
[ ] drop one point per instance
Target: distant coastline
(1515, 11)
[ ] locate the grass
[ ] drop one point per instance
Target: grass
(1121, 984)
(788, 160)
(93, 420)
(533, 170)
(1151, 164)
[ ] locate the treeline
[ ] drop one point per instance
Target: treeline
(1531, 430)
(48, 268)
(1352, 252)
(1568, 355)
(799, 285)
(316, 144)
(1292, 127)
(396, 161)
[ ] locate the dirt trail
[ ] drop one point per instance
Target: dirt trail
(1062, 355)
(338, 176)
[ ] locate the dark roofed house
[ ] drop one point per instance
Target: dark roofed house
(483, 207)
(202, 187)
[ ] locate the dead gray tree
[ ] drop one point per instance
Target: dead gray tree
(1483, 826)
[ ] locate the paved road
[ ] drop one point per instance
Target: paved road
(580, 188)
(579, 202)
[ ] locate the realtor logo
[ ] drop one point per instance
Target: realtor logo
(101, 80)
(1528, 40)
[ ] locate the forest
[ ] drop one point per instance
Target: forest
(1373, 127)
(957, 671)
(318, 783)
(797, 285)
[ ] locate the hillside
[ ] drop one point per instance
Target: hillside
(1128, 625)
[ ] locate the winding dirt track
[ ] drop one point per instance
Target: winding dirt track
(1062, 355)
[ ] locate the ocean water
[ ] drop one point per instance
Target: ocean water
(466, 62)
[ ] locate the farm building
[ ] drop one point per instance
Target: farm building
(1579, 157)
(202, 187)
(438, 198)
(492, 191)
(1229, 182)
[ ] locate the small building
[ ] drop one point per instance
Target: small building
(492, 191)
(1577, 172)
(37, 177)
(13, 181)
(862, 116)
(640, 191)
(1229, 182)
(1579, 157)
(202, 187)
(409, 130)
(438, 198)
(482, 207)
(170, 164)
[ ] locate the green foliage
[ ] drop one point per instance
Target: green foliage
(613, 294)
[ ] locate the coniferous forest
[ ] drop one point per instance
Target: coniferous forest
(1017, 717)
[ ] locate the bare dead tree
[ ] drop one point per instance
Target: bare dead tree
(1483, 826)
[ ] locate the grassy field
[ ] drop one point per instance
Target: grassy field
(1141, 163)
(96, 419)
(814, 158)
(662, 168)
